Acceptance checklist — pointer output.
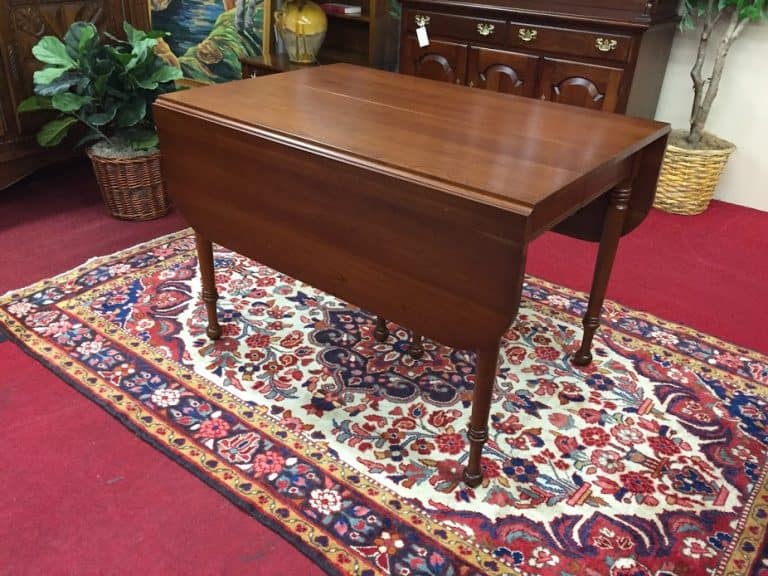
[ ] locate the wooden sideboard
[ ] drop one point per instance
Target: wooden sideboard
(608, 55)
(22, 24)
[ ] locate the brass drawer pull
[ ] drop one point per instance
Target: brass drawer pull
(421, 20)
(605, 44)
(485, 29)
(527, 34)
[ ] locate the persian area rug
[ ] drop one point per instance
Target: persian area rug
(652, 461)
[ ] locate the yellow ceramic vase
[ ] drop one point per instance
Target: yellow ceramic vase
(302, 25)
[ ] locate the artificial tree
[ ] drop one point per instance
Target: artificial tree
(695, 160)
(735, 15)
(108, 88)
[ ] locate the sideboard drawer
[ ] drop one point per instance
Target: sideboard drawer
(572, 42)
(484, 30)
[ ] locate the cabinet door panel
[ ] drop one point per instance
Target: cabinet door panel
(500, 71)
(579, 84)
(28, 22)
(441, 60)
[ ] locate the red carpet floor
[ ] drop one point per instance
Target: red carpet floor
(82, 495)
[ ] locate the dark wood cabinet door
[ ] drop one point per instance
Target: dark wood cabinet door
(441, 60)
(24, 23)
(579, 84)
(500, 71)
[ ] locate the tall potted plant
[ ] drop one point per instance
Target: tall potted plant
(695, 159)
(107, 89)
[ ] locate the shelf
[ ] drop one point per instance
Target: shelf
(367, 39)
(364, 18)
(332, 55)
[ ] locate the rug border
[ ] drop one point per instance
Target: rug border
(241, 504)
(14, 293)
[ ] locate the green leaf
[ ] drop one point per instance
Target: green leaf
(100, 85)
(132, 112)
(62, 84)
(148, 142)
(133, 34)
(54, 132)
(693, 10)
(81, 39)
(47, 75)
(147, 84)
(69, 102)
(101, 118)
(121, 58)
(90, 137)
(87, 37)
(141, 138)
(143, 52)
(35, 103)
(51, 50)
(157, 72)
(103, 66)
(167, 73)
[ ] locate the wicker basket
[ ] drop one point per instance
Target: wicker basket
(132, 188)
(689, 177)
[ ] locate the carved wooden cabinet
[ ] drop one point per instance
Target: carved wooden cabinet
(22, 24)
(607, 55)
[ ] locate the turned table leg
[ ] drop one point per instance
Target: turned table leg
(381, 333)
(609, 242)
(416, 349)
(205, 260)
(481, 407)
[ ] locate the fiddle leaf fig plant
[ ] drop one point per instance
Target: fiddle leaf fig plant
(108, 88)
(734, 15)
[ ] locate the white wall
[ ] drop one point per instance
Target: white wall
(739, 114)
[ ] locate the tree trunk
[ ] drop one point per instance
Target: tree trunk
(711, 18)
(707, 91)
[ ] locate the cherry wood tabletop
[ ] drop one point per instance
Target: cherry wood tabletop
(382, 190)
(509, 152)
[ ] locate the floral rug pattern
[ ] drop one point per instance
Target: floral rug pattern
(651, 461)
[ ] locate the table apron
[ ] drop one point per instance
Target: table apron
(445, 266)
